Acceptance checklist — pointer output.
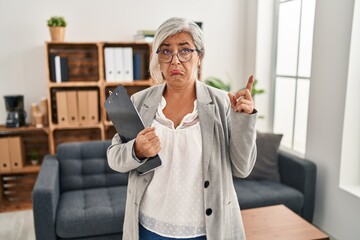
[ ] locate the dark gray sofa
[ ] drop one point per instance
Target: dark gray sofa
(77, 196)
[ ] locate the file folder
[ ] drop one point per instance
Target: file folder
(72, 110)
(119, 64)
(4, 155)
(61, 106)
(93, 106)
(16, 149)
(128, 75)
(128, 123)
(109, 55)
(83, 107)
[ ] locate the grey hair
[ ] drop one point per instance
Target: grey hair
(169, 28)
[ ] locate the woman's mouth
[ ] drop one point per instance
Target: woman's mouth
(175, 72)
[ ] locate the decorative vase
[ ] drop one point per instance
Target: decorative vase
(57, 34)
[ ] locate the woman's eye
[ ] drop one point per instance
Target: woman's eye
(185, 50)
(166, 52)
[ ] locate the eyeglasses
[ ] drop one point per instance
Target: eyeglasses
(184, 55)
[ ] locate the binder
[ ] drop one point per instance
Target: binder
(109, 55)
(128, 123)
(16, 149)
(93, 106)
(83, 107)
(64, 69)
(136, 66)
(57, 69)
(139, 64)
(4, 155)
(128, 75)
(119, 64)
(61, 106)
(52, 67)
(72, 110)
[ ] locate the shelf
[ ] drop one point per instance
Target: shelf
(67, 127)
(26, 169)
(75, 84)
(25, 129)
(133, 83)
(16, 188)
(7, 206)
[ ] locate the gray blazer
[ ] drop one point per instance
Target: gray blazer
(228, 149)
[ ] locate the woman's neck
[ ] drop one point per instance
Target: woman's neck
(188, 92)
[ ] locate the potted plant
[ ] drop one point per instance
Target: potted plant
(57, 28)
(217, 83)
(34, 157)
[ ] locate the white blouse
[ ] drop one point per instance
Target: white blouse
(173, 204)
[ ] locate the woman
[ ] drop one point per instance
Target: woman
(203, 137)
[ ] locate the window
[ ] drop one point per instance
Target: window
(293, 68)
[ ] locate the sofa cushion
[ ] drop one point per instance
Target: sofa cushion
(91, 212)
(84, 165)
(77, 174)
(262, 193)
(266, 165)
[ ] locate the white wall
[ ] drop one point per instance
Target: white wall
(336, 211)
(350, 152)
(23, 32)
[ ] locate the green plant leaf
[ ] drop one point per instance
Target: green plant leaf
(56, 21)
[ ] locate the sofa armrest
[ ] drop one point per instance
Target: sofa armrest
(45, 197)
(300, 174)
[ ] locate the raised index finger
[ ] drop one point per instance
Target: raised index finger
(250, 83)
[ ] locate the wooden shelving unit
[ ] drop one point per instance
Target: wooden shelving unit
(16, 184)
(86, 72)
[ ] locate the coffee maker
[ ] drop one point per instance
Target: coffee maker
(15, 111)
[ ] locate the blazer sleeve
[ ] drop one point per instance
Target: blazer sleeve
(242, 145)
(120, 155)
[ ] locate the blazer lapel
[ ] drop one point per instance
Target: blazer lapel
(206, 110)
(151, 103)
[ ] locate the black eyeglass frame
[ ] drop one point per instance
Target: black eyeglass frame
(177, 55)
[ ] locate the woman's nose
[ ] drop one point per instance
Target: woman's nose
(175, 60)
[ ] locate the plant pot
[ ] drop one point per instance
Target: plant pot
(34, 162)
(57, 34)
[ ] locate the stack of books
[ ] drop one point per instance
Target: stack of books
(144, 36)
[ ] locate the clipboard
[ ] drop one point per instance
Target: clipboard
(128, 123)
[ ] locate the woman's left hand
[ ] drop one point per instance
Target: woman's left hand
(242, 101)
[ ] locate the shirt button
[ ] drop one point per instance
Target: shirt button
(208, 211)
(206, 184)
